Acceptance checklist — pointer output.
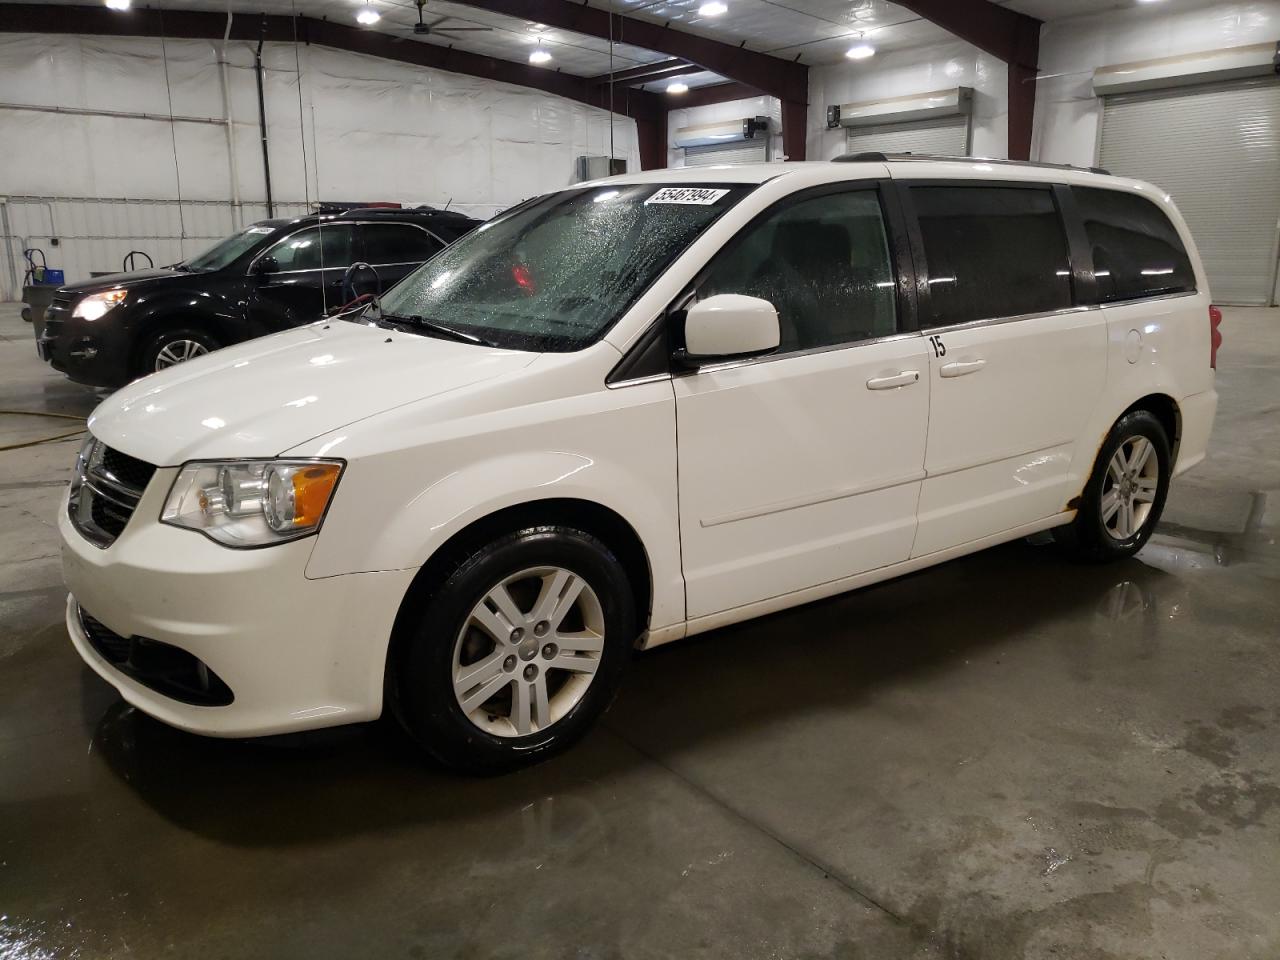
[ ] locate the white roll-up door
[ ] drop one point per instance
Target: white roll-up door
(739, 151)
(1216, 149)
(939, 136)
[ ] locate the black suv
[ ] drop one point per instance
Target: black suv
(273, 275)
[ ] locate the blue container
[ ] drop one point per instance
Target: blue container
(47, 277)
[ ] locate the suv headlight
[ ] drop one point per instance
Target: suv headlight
(252, 503)
(96, 304)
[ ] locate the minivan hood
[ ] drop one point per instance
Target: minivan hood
(265, 396)
(111, 280)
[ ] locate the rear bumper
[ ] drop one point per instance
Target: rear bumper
(1197, 424)
(295, 653)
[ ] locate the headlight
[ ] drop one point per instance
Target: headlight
(96, 304)
(252, 503)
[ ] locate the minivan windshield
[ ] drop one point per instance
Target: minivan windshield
(226, 251)
(555, 273)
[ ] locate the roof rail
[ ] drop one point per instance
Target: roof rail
(877, 157)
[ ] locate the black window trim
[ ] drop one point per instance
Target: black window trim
(1083, 284)
(398, 223)
(649, 357)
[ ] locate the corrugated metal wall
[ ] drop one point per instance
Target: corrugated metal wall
(1216, 149)
(942, 137)
(750, 151)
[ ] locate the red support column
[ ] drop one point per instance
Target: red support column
(795, 116)
(1003, 33)
(1022, 107)
(651, 131)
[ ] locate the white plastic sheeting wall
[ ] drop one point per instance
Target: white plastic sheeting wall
(360, 129)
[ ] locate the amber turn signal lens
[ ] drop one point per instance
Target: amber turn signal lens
(312, 488)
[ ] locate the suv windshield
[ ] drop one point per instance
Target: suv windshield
(555, 273)
(224, 252)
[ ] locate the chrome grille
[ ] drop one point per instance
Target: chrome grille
(105, 489)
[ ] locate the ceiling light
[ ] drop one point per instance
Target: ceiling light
(677, 86)
(713, 9)
(539, 56)
(860, 51)
(118, 4)
(368, 16)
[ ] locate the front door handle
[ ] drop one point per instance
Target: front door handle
(961, 368)
(903, 379)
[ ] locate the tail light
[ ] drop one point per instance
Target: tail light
(1215, 335)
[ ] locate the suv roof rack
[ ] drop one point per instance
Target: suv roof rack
(877, 157)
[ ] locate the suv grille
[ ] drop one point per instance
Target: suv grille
(105, 490)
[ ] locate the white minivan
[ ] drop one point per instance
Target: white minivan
(627, 412)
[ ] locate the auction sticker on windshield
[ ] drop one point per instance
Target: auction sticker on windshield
(701, 196)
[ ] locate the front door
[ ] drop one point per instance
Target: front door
(305, 279)
(1015, 368)
(804, 467)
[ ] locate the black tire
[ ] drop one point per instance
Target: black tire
(421, 684)
(1088, 537)
(152, 348)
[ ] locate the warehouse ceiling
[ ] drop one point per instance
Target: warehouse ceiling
(811, 31)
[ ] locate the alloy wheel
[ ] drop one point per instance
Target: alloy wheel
(176, 351)
(1129, 488)
(528, 651)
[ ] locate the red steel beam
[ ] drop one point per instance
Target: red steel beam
(1011, 36)
(712, 93)
(648, 73)
(784, 79)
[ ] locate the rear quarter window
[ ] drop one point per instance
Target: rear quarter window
(1136, 250)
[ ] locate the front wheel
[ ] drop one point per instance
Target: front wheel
(517, 653)
(172, 346)
(1125, 495)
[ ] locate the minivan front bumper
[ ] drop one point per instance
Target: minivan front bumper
(294, 653)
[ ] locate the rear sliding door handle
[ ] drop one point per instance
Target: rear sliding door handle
(903, 379)
(960, 368)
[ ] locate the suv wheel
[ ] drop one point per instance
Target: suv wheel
(1125, 495)
(518, 652)
(173, 346)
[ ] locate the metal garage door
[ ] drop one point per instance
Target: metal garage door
(742, 151)
(940, 136)
(1216, 149)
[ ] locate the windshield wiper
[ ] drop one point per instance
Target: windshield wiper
(435, 326)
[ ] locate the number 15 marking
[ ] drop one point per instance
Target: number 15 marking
(939, 348)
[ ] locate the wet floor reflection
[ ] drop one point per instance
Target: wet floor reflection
(141, 828)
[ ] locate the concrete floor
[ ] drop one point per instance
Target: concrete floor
(1005, 757)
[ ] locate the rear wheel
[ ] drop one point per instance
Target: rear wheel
(1125, 495)
(172, 346)
(518, 652)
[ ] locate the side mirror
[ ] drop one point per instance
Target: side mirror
(265, 265)
(728, 326)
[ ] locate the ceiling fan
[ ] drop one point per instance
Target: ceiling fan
(424, 29)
